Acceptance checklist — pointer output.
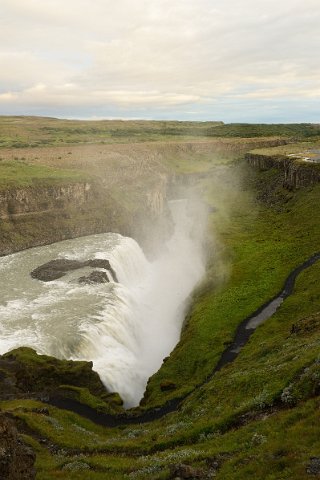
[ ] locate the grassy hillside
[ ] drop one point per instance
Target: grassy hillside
(17, 132)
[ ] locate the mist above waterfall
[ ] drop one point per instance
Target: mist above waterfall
(125, 328)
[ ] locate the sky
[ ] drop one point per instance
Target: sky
(228, 60)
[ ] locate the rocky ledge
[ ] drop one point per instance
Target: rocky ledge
(25, 374)
(296, 173)
(23, 371)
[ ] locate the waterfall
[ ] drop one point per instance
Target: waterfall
(125, 328)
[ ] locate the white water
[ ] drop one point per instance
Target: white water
(125, 328)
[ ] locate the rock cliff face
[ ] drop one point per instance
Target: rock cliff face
(296, 172)
(36, 200)
(45, 214)
(34, 216)
(157, 196)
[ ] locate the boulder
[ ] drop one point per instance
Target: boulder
(187, 472)
(314, 466)
(58, 268)
(55, 269)
(97, 276)
(167, 385)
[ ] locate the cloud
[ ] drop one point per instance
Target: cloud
(73, 95)
(156, 53)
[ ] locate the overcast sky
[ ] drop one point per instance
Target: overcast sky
(230, 60)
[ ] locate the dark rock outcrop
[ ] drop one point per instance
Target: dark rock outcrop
(16, 458)
(314, 466)
(24, 372)
(187, 471)
(97, 276)
(167, 385)
(306, 325)
(58, 268)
